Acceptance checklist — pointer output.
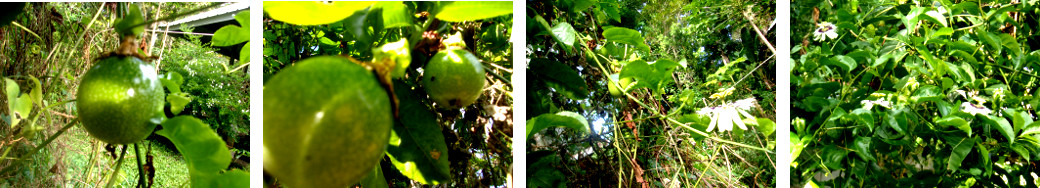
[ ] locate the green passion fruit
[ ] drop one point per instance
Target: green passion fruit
(454, 78)
(327, 123)
(117, 99)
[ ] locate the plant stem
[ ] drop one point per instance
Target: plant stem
(140, 165)
(119, 163)
(39, 147)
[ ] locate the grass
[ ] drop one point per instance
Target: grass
(78, 160)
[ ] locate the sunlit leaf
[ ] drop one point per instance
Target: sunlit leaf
(565, 35)
(656, 75)
(313, 12)
(458, 11)
(395, 14)
(204, 151)
(862, 147)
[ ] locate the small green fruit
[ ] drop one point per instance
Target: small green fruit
(454, 78)
(327, 122)
(117, 99)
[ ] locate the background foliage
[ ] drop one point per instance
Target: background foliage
(679, 52)
(915, 93)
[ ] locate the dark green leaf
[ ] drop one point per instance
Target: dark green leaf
(562, 119)
(656, 76)
(961, 147)
(863, 148)
(560, 77)
(417, 147)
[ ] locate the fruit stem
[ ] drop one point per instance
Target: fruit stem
(119, 163)
(140, 165)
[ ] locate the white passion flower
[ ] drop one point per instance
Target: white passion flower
(726, 115)
(824, 31)
(975, 109)
(869, 104)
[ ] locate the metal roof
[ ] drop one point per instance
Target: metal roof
(221, 14)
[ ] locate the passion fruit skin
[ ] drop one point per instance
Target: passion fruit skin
(118, 97)
(327, 123)
(454, 78)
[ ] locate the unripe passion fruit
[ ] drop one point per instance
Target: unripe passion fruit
(118, 97)
(326, 123)
(454, 78)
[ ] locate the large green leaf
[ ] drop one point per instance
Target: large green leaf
(313, 12)
(564, 79)
(458, 11)
(834, 156)
(657, 75)
(562, 119)
(564, 34)
(542, 172)
(863, 148)
(1019, 119)
(844, 62)
(417, 148)
(233, 34)
(928, 93)
(961, 147)
(395, 14)
(956, 122)
(626, 36)
(204, 151)
(1002, 125)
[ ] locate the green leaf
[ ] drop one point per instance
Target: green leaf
(657, 75)
(564, 34)
(1019, 119)
(560, 77)
(1002, 125)
(313, 12)
(833, 157)
(863, 148)
(928, 93)
(204, 151)
(459, 11)
(177, 101)
(1031, 128)
(395, 14)
(243, 54)
(961, 147)
(543, 171)
(581, 5)
(865, 116)
(626, 36)
(566, 119)
(232, 34)
(125, 25)
(172, 81)
(956, 122)
(233, 178)
(766, 126)
(19, 105)
(374, 179)
(417, 148)
(946, 31)
(935, 16)
(897, 120)
(844, 62)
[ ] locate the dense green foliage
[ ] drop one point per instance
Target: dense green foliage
(694, 66)
(430, 144)
(914, 93)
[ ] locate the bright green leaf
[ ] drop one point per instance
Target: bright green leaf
(205, 152)
(626, 36)
(863, 148)
(313, 12)
(961, 147)
(458, 11)
(417, 147)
